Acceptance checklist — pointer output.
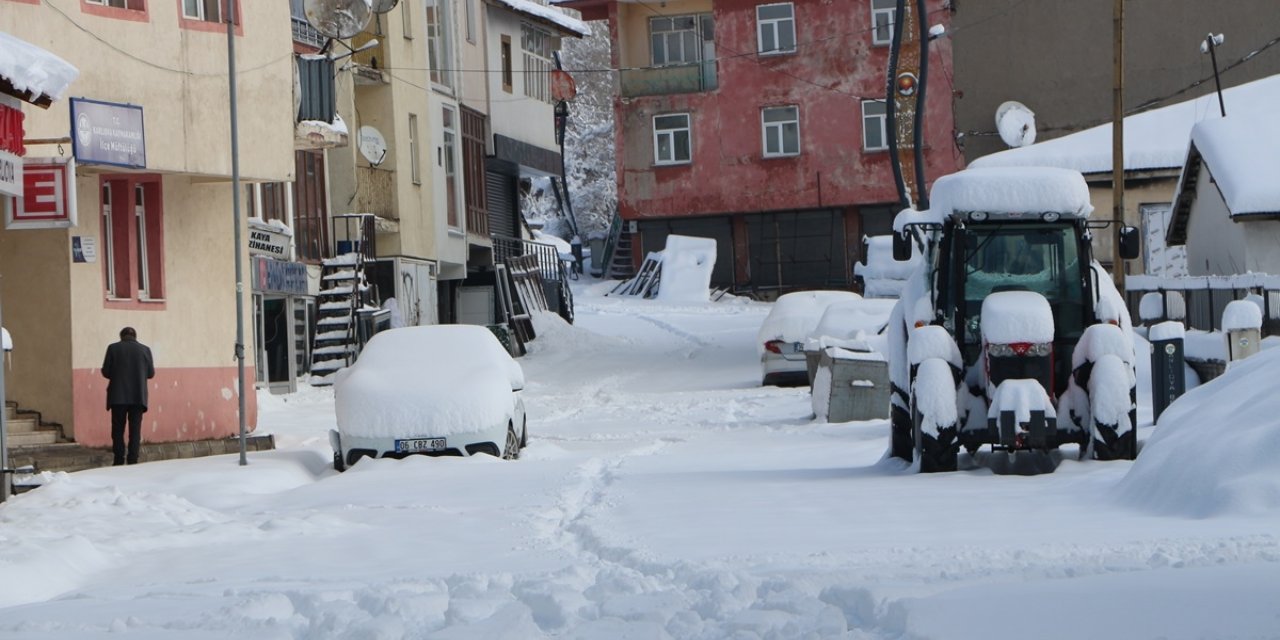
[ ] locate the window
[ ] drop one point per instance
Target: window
(776, 28)
(132, 238)
(506, 64)
(674, 40)
(450, 178)
(439, 43)
(269, 201)
(311, 207)
(414, 171)
(882, 19)
(206, 10)
(132, 5)
(468, 6)
(671, 141)
(536, 45)
(406, 19)
(781, 131)
(875, 133)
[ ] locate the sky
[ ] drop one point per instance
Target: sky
(665, 494)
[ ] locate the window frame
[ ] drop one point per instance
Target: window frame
(136, 13)
(449, 147)
(876, 13)
(537, 48)
(505, 54)
(131, 229)
(415, 169)
(672, 134)
(439, 20)
(882, 118)
(780, 126)
(695, 30)
(775, 25)
(186, 21)
(406, 20)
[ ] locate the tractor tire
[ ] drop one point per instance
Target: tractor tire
(901, 430)
(936, 453)
(1109, 446)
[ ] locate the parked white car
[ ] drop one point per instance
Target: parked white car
(440, 390)
(782, 336)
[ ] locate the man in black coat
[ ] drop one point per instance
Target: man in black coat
(128, 366)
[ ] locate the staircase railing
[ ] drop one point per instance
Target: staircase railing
(548, 264)
(600, 264)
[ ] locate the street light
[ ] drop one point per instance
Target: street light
(1209, 45)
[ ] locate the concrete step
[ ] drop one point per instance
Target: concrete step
(25, 439)
(21, 425)
(69, 456)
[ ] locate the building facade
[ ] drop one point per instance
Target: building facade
(152, 246)
(762, 125)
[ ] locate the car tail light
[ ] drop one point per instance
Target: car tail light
(774, 346)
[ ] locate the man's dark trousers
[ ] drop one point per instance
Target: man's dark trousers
(119, 413)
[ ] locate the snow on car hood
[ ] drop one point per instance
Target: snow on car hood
(427, 381)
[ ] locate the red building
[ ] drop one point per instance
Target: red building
(761, 124)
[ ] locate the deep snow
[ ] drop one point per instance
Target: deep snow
(665, 494)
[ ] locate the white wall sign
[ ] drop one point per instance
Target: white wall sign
(268, 242)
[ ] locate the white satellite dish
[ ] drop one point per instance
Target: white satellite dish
(383, 6)
(372, 145)
(1016, 124)
(339, 19)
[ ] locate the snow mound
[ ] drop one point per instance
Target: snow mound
(686, 269)
(1016, 316)
(1241, 314)
(795, 315)
(1216, 450)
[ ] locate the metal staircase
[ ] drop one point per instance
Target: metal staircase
(344, 291)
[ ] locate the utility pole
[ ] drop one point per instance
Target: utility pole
(236, 219)
(1117, 144)
(1212, 42)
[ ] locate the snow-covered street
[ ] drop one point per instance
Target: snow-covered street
(664, 494)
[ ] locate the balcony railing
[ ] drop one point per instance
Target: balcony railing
(654, 81)
(306, 34)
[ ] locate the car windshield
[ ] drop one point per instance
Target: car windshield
(1042, 258)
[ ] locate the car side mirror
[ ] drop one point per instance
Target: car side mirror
(901, 245)
(1129, 243)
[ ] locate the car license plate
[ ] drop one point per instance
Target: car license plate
(420, 445)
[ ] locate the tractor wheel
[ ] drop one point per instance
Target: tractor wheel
(901, 440)
(935, 451)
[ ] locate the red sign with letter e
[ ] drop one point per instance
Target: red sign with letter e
(49, 196)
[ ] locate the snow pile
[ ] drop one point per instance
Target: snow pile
(438, 380)
(1016, 316)
(1240, 315)
(686, 269)
(1216, 450)
(795, 315)
(852, 319)
(934, 391)
(1171, 330)
(1012, 190)
(1021, 397)
(1240, 151)
(32, 69)
(882, 276)
(932, 341)
(1153, 140)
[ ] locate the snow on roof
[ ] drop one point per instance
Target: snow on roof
(1156, 139)
(32, 69)
(550, 14)
(1012, 190)
(1241, 153)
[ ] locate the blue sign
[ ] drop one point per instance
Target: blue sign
(107, 133)
(278, 276)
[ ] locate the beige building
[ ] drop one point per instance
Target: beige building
(152, 245)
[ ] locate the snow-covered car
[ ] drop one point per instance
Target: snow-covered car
(441, 390)
(782, 336)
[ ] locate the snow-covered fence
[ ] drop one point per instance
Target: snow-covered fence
(1207, 297)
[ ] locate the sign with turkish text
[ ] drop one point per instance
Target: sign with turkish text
(84, 249)
(49, 196)
(279, 276)
(11, 148)
(268, 241)
(108, 133)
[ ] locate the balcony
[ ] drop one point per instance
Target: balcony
(304, 33)
(657, 81)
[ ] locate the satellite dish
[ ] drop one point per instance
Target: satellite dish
(372, 145)
(383, 6)
(338, 19)
(1016, 124)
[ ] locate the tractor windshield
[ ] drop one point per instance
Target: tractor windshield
(1042, 257)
